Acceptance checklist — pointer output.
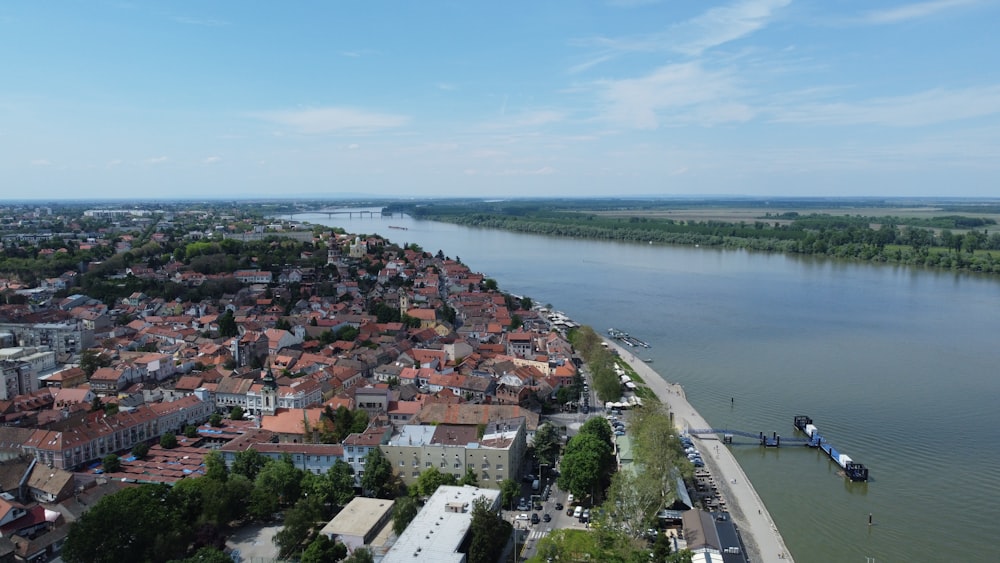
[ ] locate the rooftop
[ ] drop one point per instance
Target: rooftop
(440, 527)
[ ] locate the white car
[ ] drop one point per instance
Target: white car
(569, 499)
(522, 517)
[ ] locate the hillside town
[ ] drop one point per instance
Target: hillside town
(136, 342)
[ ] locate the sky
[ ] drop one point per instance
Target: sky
(253, 99)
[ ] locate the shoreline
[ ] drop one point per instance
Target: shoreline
(759, 532)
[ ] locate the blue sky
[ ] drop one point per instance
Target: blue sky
(238, 99)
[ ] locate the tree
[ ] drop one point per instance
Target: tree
(509, 491)
(215, 419)
(429, 480)
(299, 523)
(135, 524)
(215, 466)
(168, 441)
(111, 463)
(191, 431)
(236, 413)
(361, 555)
(281, 480)
(227, 325)
(91, 360)
(636, 498)
(585, 465)
(404, 512)
(248, 463)
(469, 478)
(140, 450)
(489, 532)
(206, 554)
(378, 479)
(324, 550)
(547, 443)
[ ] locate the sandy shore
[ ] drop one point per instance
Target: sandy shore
(761, 536)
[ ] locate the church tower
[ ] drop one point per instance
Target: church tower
(269, 393)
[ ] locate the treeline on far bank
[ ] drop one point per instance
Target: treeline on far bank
(954, 242)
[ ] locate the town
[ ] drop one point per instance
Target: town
(177, 344)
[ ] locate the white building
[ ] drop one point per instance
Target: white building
(440, 528)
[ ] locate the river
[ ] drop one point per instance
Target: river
(897, 367)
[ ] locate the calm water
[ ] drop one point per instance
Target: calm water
(897, 367)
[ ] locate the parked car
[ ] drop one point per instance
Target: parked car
(534, 517)
(522, 516)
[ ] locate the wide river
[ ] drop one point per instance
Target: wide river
(898, 368)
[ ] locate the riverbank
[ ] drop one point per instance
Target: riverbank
(760, 535)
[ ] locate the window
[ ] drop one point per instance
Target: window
(350, 460)
(402, 463)
(499, 467)
(427, 464)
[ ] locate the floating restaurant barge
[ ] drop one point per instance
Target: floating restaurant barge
(855, 471)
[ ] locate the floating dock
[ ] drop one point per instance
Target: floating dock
(855, 471)
(626, 338)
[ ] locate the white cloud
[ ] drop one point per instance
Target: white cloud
(41, 162)
(913, 11)
(922, 108)
(724, 24)
(113, 163)
(353, 147)
(712, 28)
(211, 159)
(333, 120)
(157, 160)
(448, 87)
(679, 93)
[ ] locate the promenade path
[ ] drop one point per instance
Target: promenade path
(760, 535)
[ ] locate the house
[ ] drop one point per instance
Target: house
(49, 484)
(111, 380)
(253, 276)
(373, 400)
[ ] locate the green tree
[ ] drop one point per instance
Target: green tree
(134, 524)
(111, 463)
(547, 443)
(206, 554)
(378, 479)
(215, 466)
(489, 532)
(91, 360)
(281, 480)
(509, 491)
(168, 441)
(361, 555)
(227, 325)
(585, 465)
(469, 478)
(429, 480)
(299, 523)
(215, 419)
(140, 450)
(248, 463)
(191, 431)
(324, 550)
(236, 413)
(404, 512)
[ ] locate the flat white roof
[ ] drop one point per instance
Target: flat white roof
(439, 528)
(358, 517)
